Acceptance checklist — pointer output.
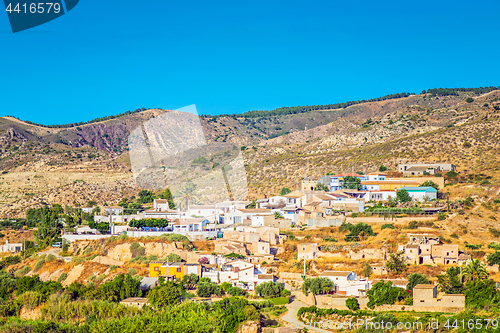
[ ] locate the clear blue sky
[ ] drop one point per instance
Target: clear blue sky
(107, 57)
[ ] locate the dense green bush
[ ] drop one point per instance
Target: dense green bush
(317, 286)
(271, 289)
(384, 293)
(137, 250)
(352, 303)
(356, 231)
(62, 277)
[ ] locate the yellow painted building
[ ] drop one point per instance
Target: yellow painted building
(175, 269)
(156, 269)
(389, 185)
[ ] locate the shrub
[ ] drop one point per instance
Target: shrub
(23, 271)
(384, 293)
(413, 225)
(62, 277)
(113, 267)
(467, 144)
(31, 299)
(494, 232)
(38, 265)
(207, 289)
(173, 257)
(352, 303)
(496, 200)
(77, 260)
(495, 246)
(137, 250)
(280, 300)
(123, 237)
(132, 271)
(317, 286)
(50, 258)
(454, 235)
(441, 216)
(469, 100)
(387, 226)
(270, 289)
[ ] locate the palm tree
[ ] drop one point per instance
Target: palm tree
(475, 270)
(186, 193)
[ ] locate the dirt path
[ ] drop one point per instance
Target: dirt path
(291, 317)
(56, 251)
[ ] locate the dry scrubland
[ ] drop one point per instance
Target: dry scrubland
(102, 260)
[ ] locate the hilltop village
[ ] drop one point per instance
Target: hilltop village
(335, 242)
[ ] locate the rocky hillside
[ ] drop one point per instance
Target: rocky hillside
(90, 161)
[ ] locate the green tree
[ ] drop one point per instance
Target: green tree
(102, 227)
(384, 293)
(403, 195)
(450, 283)
(367, 270)
(285, 191)
(481, 293)
(351, 183)
(167, 195)
(8, 284)
(186, 193)
(270, 289)
(414, 279)
(451, 174)
(493, 259)
(165, 294)
(396, 263)
(145, 196)
(190, 280)
(174, 257)
(277, 215)
(391, 202)
(321, 187)
(430, 183)
(207, 289)
(356, 231)
(382, 168)
(475, 270)
(317, 286)
(352, 304)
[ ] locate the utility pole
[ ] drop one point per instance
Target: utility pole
(304, 266)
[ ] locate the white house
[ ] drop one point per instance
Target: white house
(202, 210)
(87, 210)
(189, 225)
(347, 283)
(239, 273)
(294, 199)
(11, 247)
(375, 176)
(290, 213)
(276, 201)
(112, 210)
(239, 215)
(160, 204)
(161, 214)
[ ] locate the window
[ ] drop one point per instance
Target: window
(157, 269)
(178, 269)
